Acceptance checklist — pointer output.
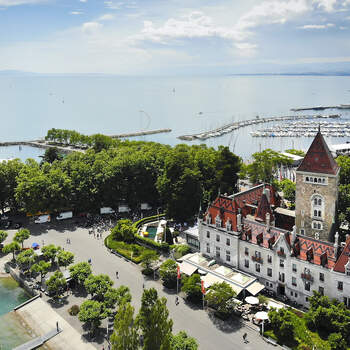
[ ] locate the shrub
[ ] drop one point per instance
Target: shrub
(139, 223)
(181, 250)
(152, 244)
(147, 271)
(168, 273)
(74, 310)
(192, 288)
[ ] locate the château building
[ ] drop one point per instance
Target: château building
(251, 232)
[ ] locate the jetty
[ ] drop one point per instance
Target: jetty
(243, 123)
(320, 108)
(141, 133)
(35, 343)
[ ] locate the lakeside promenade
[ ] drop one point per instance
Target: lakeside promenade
(210, 332)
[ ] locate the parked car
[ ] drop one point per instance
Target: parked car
(42, 219)
(65, 215)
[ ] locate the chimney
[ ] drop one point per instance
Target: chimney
(268, 222)
(294, 235)
(239, 221)
(336, 243)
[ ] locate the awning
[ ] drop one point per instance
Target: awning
(255, 288)
(210, 279)
(187, 269)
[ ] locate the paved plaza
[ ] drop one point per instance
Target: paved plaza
(210, 332)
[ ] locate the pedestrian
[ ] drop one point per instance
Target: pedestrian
(94, 234)
(176, 300)
(57, 326)
(42, 242)
(245, 337)
(117, 274)
(143, 285)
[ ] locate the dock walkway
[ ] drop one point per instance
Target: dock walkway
(34, 343)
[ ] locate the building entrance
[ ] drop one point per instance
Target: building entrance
(281, 290)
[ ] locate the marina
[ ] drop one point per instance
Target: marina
(320, 108)
(305, 129)
(243, 123)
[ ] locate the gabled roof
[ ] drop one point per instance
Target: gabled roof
(343, 258)
(263, 209)
(318, 158)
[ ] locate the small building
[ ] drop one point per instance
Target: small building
(192, 238)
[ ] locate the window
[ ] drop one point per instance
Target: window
(246, 263)
(307, 286)
(321, 290)
(340, 285)
(257, 254)
(294, 268)
(321, 277)
(317, 207)
(228, 242)
(208, 248)
(217, 221)
(257, 267)
(269, 272)
(208, 234)
(269, 259)
(281, 277)
(294, 281)
(281, 263)
(317, 225)
(217, 238)
(228, 255)
(246, 251)
(307, 299)
(302, 231)
(217, 252)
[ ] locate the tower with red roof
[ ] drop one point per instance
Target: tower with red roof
(317, 192)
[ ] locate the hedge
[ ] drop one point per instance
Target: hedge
(137, 224)
(152, 244)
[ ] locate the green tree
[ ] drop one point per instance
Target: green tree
(148, 257)
(192, 287)
(80, 272)
(101, 142)
(167, 236)
(65, 258)
(296, 152)
(41, 267)
(124, 231)
(288, 187)
(181, 341)
(125, 335)
(282, 324)
(25, 259)
(11, 248)
(21, 236)
(218, 295)
(91, 312)
(153, 321)
(3, 236)
(51, 154)
(98, 285)
(56, 284)
(115, 296)
(50, 252)
(337, 342)
(168, 273)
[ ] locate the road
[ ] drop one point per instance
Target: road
(210, 332)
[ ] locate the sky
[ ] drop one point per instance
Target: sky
(174, 36)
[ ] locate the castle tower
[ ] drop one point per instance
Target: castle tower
(316, 192)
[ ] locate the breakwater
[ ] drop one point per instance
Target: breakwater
(141, 133)
(240, 124)
(39, 144)
(320, 108)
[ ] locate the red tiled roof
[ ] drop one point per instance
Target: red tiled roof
(343, 258)
(318, 158)
(263, 209)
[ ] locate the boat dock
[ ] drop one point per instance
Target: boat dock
(35, 343)
(141, 133)
(305, 129)
(240, 124)
(320, 108)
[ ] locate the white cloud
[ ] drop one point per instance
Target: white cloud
(193, 25)
(83, 0)
(113, 5)
(106, 17)
(75, 13)
(327, 5)
(91, 27)
(8, 3)
(317, 26)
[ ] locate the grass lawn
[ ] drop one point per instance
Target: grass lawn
(127, 250)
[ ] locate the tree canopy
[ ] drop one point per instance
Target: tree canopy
(98, 285)
(80, 272)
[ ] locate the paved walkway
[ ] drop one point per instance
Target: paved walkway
(42, 318)
(210, 332)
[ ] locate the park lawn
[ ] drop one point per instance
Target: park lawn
(127, 250)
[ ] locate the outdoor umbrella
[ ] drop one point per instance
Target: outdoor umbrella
(252, 300)
(35, 245)
(262, 315)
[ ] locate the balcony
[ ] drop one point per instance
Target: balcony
(257, 259)
(281, 253)
(307, 276)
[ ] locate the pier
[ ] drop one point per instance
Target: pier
(240, 124)
(35, 343)
(141, 133)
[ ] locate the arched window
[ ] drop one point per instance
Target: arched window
(317, 206)
(307, 179)
(319, 202)
(315, 179)
(319, 180)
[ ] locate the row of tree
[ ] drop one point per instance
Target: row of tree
(178, 179)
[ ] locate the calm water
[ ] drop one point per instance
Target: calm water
(30, 105)
(12, 332)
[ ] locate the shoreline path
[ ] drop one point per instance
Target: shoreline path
(210, 332)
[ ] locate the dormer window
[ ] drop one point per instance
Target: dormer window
(217, 221)
(208, 219)
(228, 225)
